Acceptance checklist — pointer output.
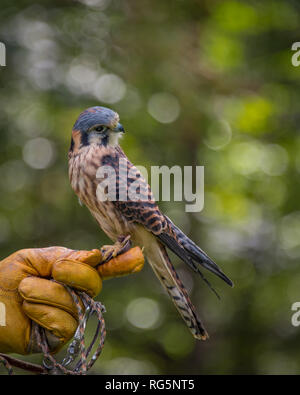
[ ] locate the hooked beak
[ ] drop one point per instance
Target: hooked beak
(119, 129)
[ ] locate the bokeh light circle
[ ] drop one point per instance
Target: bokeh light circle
(110, 88)
(164, 107)
(38, 153)
(143, 313)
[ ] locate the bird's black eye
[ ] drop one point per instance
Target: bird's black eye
(100, 129)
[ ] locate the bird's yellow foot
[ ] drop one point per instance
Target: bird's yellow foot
(122, 245)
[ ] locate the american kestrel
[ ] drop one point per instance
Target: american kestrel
(94, 144)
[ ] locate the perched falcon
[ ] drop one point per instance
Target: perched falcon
(95, 144)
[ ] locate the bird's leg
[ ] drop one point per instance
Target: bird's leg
(122, 245)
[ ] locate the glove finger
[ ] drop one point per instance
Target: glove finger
(40, 260)
(42, 291)
(77, 275)
(92, 258)
(129, 262)
(60, 323)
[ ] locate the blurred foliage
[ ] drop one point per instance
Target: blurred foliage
(195, 83)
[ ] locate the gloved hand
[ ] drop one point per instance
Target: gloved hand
(27, 294)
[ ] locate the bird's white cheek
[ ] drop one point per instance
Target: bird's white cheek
(94, 139)
(113, 139)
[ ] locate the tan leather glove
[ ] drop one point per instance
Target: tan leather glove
(26, 292)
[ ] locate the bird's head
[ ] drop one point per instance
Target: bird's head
(96, 125)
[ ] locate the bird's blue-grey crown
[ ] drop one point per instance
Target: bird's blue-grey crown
(97, 116)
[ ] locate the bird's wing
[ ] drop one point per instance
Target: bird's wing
(151, 229)
(146, 212)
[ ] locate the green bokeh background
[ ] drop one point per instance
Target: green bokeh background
(206, 83)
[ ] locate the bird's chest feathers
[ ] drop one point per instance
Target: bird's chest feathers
(83, 169)
(84, 177)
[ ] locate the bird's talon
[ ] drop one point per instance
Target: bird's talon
(111, 251)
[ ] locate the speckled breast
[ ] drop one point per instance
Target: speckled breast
(85, 182)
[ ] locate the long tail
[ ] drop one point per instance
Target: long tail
(158, 258)
(189, 252)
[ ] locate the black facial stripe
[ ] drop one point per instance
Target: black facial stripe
(84, 139)
(105, 140)
(72, 145)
